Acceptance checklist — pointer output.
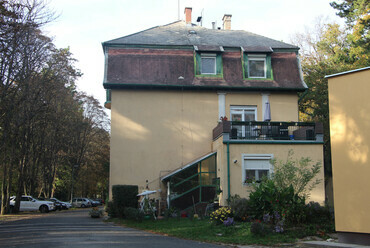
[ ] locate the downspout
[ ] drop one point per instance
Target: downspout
(228, 171)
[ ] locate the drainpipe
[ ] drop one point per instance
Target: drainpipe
(228, 171)
(168, 194)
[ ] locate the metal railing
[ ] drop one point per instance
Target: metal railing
(257, 130)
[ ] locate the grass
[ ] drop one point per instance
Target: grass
(204, 230)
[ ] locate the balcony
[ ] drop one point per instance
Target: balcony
(260, 131)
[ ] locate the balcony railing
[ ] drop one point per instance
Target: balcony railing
(258, 130)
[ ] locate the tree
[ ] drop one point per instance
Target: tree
(22, 52)
(357, 16)
(46, 126)
(329, 49)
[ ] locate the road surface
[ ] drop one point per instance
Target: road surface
(76, 229)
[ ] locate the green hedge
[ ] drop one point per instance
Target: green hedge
(124, 196)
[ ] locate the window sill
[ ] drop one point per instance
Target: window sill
(263, 79)
(210, 76)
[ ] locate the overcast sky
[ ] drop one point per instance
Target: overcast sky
(84, 24)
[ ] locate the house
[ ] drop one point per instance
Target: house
(197, 111)
(350, 144)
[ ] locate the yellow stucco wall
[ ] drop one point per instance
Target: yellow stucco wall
(154, 132)
(279, 152)
(284, 106)
(350, 143)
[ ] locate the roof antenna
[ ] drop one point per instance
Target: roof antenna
(200, 18)
(178, 10)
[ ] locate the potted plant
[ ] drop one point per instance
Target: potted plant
(95, 212)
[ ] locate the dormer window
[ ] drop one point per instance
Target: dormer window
(257, 63)
(257, 66)
(208, 63)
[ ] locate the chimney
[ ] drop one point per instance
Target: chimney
(187, 15)
(227, 21)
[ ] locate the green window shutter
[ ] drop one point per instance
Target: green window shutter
(219, 65)
(245, 64)
(268, 67)
(197, 63)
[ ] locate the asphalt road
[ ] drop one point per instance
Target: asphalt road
(77, 229)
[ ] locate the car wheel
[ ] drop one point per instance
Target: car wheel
(83, 206)
(44, 209)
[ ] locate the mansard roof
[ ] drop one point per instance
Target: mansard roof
(180, 34)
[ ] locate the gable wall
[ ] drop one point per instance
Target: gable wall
(156, 131)
(350, 144)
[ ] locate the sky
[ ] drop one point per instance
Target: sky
(82, 25)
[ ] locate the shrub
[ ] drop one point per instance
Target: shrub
(240, 208)
(229, 221)
(220, 215)
(133, 214)
(299, 174)
(172, 213)
(267, 198)
(124, 196)
(109, 208)
(316, 213)
(260, 229)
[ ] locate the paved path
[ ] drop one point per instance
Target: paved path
(77, 229)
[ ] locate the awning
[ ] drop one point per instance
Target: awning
(168, 176)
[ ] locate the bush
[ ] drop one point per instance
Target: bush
(124, 196)
(133, 214)
(109, 208)
(172, 213)
(240, 208)
(220, 215)
(315, 213)
(260, 229)
(267, 198)
(299, 174)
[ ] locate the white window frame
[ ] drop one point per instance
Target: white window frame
(235, 109)
(246, 157)
(257, 58)
(208, 56)
(240, 110)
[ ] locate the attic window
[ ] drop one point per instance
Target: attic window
(257, 66)
(192, 32)
(208, 65)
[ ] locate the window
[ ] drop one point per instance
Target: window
(242, 113)
(256, 166)
(256, 67)
(208, 64)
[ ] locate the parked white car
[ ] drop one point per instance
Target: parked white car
(28, 203)
(81, 203)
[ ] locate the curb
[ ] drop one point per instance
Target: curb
(325, 244)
